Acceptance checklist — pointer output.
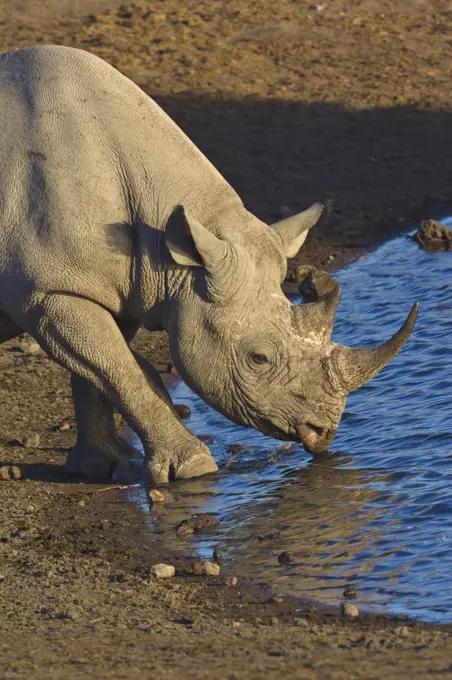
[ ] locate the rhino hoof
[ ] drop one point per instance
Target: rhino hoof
(93, 464)
(196, 466)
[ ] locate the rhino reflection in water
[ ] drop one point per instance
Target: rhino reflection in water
(325, 514)
(111, 219)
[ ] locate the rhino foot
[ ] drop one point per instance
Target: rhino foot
(98, 462)
(181, 462)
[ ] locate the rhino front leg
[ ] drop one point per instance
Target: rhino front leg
(85, 339)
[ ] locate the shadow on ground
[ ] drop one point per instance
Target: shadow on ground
(383, 167)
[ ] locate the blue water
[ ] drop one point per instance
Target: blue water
(377, 511)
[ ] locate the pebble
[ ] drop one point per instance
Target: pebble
(275, 599)
(31, 508)
(349, 610)
(350, 592)
(183, 411)
(2, 578)
(206, 568)
(403, 631)
(236, 624)
(211, 569)
(231, 581)
(155, 496)
(9, 472)
(64, 426)
(274, 621)
(31, 441)
(286, 557)
(4, 473)
(302, 623)
(184, 529)
(196, 523)
(163, 570)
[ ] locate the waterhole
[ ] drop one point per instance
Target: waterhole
(376, 512)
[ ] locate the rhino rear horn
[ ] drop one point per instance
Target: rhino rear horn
(316, 319)
(355, 366)
(292, 231)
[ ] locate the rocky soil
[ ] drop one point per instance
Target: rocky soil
(292, 101)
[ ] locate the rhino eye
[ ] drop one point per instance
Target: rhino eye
(260, 359)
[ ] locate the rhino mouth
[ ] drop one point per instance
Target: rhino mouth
(271, 430)
(314, 439)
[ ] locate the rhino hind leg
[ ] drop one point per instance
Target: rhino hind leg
(99, 450)
(8, 329)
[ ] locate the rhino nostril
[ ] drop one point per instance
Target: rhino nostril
(319, 431)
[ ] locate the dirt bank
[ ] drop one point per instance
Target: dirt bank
(292, 101)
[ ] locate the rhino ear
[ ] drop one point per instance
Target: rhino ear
(191, 244)
(292, 231)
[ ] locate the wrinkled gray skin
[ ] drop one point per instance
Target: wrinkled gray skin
(110, 219)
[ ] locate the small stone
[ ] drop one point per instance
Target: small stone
(82, 504)
(350, 592)
(316, 284)
(64, 427)
(31, 441)
(155, 496)
(211, 569)
(15, 472)
(434, 236)
(31, 508)
(349, 610)
(4, 473)
(403, 631)
(301, 623)
(2, 578)
(9, 472)
(206, 568)
(197, 567)
(184, 529)
(163, 570)
(183, 411)
(236, 624)
(275, 599)
(231, 581)
(331, 258)
(274, 621)
(286, 557)
(198, 522)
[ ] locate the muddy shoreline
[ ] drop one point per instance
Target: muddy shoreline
(291, 103)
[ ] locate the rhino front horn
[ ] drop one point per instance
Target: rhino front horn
(355, 366)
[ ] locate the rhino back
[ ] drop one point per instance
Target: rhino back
(84, 156)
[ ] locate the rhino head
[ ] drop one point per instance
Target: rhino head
(241, 345)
